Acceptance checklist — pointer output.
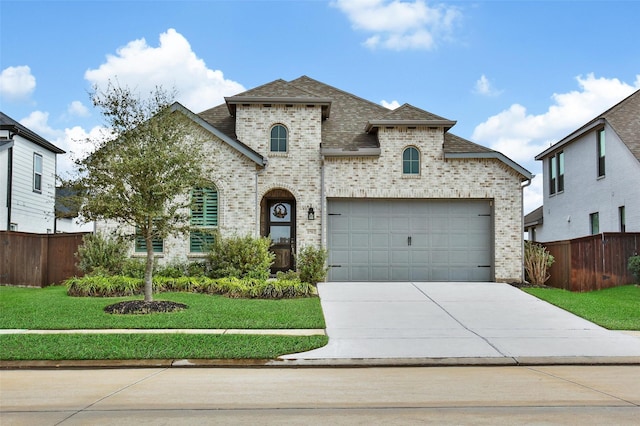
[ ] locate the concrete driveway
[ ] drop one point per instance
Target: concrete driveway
(457, 323)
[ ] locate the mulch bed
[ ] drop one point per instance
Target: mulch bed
(142, 307)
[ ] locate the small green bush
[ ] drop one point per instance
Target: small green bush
(240, 257)
(133, 268)
(100, 254)
(312, 264)
(634, 267)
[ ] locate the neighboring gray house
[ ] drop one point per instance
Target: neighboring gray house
(27, 179)
(592, 178)
(392, 194)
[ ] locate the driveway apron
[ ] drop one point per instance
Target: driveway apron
(457, 323)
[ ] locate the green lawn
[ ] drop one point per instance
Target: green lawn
(51, 308)
(615, 308)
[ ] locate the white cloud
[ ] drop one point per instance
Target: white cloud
(391, 105)
(521, 135)
(78, 109)
(400, 25)
(75, 141)
(17, 83)
(171, 65)
(485, 88)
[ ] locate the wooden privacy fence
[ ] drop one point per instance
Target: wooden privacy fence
(37, 260)
(594, 262)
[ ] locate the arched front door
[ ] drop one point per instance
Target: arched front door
(279, 223)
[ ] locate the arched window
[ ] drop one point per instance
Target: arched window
(278, 138)
(411, 161)
(204, 218)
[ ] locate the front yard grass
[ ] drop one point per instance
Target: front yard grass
(51, 308)
(616, 308)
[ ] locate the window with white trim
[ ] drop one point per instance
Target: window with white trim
(601, 151)
(556, 173)
(37, 172)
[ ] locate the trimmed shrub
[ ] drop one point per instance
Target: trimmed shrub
(103, 286)
(133, 268)
(312, 264)
(536, 262)
(634, 267)
(101, 254)
(240, 257)
(118, 286)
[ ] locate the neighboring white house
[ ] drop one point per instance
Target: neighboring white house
(592, 178)
(27, 179)
(392, 194)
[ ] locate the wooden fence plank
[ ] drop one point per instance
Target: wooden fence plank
(593, 263)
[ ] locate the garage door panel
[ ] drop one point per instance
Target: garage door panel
(419, 240)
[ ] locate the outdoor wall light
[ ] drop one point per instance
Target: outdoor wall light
(311, 215)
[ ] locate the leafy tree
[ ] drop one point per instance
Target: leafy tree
(141, 174)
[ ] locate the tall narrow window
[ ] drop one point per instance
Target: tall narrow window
(411, 161)
(37, 172)
(560, 159)
(278, 138)
(594, 219)
(623, 220)
(552, 175)
(204, 217)
(601, 143)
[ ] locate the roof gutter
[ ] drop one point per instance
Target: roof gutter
(571, 137)
(492, 155)
(360, 152)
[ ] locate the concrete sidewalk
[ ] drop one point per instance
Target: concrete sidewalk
(457, 323)
(393, 324)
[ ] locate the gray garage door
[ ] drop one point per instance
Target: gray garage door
(410, 240)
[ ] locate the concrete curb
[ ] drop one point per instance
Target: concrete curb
(316, 363)
(275, 332)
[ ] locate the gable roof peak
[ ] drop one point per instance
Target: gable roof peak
(13, 126)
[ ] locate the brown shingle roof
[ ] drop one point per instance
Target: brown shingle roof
(625, 120)
(350, 115)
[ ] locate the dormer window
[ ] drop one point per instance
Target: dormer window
(411, 161)
(278, 138)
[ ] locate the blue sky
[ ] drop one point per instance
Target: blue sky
(516, 75)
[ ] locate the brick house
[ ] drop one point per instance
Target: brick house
(392, 194)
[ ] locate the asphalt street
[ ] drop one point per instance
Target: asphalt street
(585, 395)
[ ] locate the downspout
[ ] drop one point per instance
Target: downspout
(522, 187)
(9, 186)
(257, 201)
(323, 216)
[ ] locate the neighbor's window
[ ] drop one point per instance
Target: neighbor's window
(278, 138)
(411, 161)
(560, 161)
(141, 244)
(37, 172)
(553, 174)
(594, 219)
(556, 173)
(601, 143)
(623, 220)
(204, 217)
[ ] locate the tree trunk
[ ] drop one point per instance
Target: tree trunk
(148, 271)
